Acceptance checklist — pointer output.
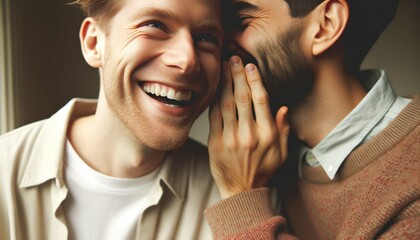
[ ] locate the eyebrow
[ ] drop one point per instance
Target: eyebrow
(208, 25)
(156, 12)
(241, 6)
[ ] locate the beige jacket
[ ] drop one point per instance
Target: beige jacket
(32, 187)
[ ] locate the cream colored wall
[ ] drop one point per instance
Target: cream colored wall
(51, 69)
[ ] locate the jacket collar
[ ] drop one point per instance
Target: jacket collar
(46, 159)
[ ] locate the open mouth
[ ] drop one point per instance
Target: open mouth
(166, 95)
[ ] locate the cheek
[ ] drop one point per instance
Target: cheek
(249, 39)
(209, 62)
(139, 51)
(210, 65)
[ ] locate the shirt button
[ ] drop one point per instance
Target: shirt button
(330, 168)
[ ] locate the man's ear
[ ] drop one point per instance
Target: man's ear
(331, 18)
(89, 40)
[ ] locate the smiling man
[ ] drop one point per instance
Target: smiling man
(356, 174)
(122, 167)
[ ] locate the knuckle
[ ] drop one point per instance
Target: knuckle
(230, 142)
(231, 145)
(262, 98)
(228, 105)
(243, 97)
(248, 142)
(270, 138)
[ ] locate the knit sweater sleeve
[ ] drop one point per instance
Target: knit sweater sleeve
(406, 225)
(246, 215)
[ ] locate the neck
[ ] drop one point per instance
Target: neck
(104, 143)
(335, 94)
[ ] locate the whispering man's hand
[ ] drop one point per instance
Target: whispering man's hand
(246, 145)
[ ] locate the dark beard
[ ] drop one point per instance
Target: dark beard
(287, 74)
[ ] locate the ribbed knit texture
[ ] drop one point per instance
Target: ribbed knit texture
(241, 216)
(375, 195)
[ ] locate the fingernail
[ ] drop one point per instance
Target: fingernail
(235, 60)
(249, 68)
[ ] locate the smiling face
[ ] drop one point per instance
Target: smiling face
(161, 65)
(266, 34)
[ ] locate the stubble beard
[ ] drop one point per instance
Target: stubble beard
(287, 74)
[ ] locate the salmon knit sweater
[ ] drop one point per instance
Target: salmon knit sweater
(376, 194)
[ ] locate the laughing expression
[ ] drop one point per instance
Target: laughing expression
(161, 67)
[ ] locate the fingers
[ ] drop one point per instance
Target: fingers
(244, 152)
(260, 97)
(228, 107)
(215, 120)
(242, 92)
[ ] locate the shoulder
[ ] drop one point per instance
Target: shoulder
(20, 139)
(16, 149)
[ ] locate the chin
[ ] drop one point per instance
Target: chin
(168, 144)
(164, 141)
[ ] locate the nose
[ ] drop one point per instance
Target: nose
(182, 54)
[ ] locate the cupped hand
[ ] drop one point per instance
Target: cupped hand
(246, 145)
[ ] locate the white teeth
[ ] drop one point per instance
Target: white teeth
(171, 94)
(164, 91)
(157, 90)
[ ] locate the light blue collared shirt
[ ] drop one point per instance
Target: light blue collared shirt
(376, 110)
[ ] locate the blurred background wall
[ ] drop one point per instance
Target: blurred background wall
(50, 69)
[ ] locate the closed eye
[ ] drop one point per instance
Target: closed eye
(205, 37)
(155, 24)
(208, 42)
(244, 20)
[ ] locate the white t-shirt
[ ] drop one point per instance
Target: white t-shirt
(100, 206)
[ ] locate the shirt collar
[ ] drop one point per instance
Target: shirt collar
(173, 175)
(46, 159)
(331, 152)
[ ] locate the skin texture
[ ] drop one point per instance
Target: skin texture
(147, 43)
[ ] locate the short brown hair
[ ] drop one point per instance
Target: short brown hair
(98, 9)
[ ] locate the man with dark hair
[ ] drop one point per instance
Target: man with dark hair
(122, 167)
(356, 172)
